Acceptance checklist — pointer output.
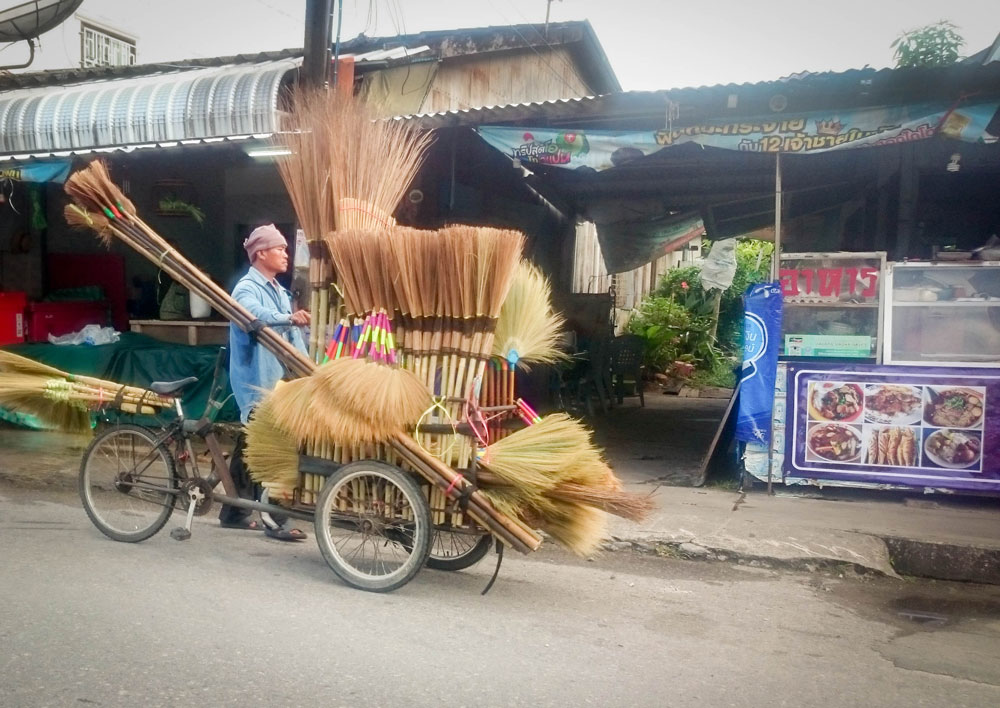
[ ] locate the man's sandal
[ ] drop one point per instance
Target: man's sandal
(283, 533)
(242, 524)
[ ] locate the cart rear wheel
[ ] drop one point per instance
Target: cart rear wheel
(451, 550)
(373, 525)
(125, 478)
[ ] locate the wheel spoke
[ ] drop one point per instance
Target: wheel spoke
(366, 527)
(127, 483)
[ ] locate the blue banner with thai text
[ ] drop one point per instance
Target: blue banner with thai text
(761, 341)
(804, 133)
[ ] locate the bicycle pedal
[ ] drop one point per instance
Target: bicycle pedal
(180, 534)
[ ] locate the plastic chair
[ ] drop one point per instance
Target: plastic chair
(588, 378)
(625, 359)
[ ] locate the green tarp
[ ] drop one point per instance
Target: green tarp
(138, 360)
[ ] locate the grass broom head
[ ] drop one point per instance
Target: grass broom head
(556, 462)
(14, 363)
(579, 527)
(538, 457)
(271, 454)
(349, 402)
(78, 217)
(345, 162)
(26, 393)
(528, 330)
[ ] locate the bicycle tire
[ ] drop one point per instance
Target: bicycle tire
(455, 554)
(109, 472)
(369, 505)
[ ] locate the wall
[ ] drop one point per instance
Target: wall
(20, 245)
(590, 275)
(229, 187)
(503, 78)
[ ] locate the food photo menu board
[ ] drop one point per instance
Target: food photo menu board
(917, 426)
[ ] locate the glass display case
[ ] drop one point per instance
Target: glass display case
(832, 305)
(945, 314)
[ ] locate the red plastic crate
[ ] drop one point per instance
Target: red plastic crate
(12, 317)
(58, 318)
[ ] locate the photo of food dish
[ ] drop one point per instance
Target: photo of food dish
(840, 402)
(834, 442)
(895, 446)
(954, 406)
(896, 404)
(957, 449)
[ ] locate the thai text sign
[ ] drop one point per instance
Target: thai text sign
(761, 341)
(916, 426)
(804, 133)
(829, 282)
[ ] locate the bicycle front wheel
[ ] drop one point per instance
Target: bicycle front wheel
(126, 483)
(373, 525)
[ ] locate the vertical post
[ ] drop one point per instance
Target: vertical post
(316, 45)
(908, 188)
(775, 268)
(775, 259)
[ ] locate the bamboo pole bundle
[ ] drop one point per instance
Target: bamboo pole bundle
(99, 204)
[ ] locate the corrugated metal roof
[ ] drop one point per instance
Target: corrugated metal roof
(178, 105)
(75, 75)
(853, 88)
(394, 53)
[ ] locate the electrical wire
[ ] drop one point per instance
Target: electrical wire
(532, 46)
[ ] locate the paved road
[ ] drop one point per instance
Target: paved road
(233, 618)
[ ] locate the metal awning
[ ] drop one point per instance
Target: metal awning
(169, 107)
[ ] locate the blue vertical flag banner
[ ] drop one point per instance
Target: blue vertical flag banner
(761, 341)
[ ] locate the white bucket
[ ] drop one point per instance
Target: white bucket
(200, 309)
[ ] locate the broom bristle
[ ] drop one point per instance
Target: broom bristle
(349, 402)
(14, 363)
(28, 394)
(80, 218)
(635, 507)
(528, 330)
(342, 156)
(271, 454)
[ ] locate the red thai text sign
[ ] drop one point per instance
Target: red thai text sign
(829, 282)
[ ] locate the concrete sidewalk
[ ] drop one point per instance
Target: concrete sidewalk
(889, 532)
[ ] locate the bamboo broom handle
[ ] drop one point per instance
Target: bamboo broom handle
(513, 531)
(481, 516)
(196, 281)
(313, 312)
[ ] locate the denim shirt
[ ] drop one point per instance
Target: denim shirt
(253, 370)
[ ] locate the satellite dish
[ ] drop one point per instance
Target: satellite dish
(28, 20)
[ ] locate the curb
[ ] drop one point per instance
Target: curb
(686, 550)
(944, 561)
(939, 561)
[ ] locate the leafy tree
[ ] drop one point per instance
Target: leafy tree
(934, 45)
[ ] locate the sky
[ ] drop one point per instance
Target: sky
(651, 44)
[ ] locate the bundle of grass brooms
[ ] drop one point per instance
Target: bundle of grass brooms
(99, 205)
(65, 401)
(412, 351)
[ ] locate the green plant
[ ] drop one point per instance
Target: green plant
(720, 374)
(683, 285)
(673, 333)
(934, 45)
(178, 206)
(661, 322)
